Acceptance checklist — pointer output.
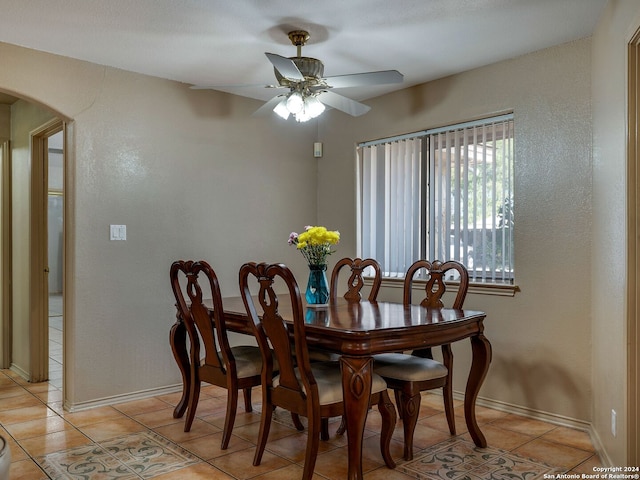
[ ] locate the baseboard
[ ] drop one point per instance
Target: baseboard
(597, 444)
(128, 397)
(23, 373)
(554, 418)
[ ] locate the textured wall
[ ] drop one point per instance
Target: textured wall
(541, 337)
(191, 174)
(616, 27)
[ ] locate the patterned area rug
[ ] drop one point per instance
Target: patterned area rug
(458, 459)
(139, 455)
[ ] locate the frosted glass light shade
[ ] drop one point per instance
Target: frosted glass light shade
(295, 103)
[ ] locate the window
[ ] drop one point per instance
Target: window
(445, 193)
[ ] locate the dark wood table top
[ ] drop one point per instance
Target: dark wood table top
(366, 328)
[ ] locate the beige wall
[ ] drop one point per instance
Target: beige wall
(615, 29)
(541, 337)
(191, 174)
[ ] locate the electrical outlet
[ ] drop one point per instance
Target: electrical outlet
(614, 430)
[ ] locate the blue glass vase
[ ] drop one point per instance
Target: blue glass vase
(317, 287)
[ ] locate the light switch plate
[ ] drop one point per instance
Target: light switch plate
(118, 232)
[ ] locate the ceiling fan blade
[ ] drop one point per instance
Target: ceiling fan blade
(343, 104)
(235, 85)
(268, 107)
(285, 66)
(363, 79)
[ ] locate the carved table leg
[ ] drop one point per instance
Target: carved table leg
(481, 349)
(356, 387)
(178, 342)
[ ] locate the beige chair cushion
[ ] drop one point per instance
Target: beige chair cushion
(329, 379)
(248, 360)
(407, 367)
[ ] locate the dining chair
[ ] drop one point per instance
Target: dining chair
(354, 285)
(234, 368)
(409, 375)
(311, 390)
(355, 282)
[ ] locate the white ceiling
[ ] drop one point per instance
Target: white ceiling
(222, 42)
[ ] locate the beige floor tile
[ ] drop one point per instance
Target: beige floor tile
(524, 425)
(39, 427)
(19, 401)
(242, 418)
(201, 471)
(54, 442)
(112, 428)
(553, 453)
(10, 390)
(215, 406)
(439, 422)
(424, 436)
(291, 472)
(18, 415)
(141, 406)
(93, 415)
(483, 415)
(175, 432)
(6, 381)
(40, 387)
(16, 378)
(57, 407)
(384, 473)
(209, 446)
(588, 465)
(293, 447)
(158, 418)
(49, 396)
(26, 469)
(171, 398)
(501, 438)
(240, 464)
(250, 432)
(334, 464)
(572, 437)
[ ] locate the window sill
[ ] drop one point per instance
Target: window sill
(474, 288)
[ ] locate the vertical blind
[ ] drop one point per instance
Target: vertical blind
(441, 194)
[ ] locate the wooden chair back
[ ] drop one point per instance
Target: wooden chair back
(272, 332)
(436, 287)
(356, 279)
(201, 321)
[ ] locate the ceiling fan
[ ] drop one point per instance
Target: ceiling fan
(307, 91)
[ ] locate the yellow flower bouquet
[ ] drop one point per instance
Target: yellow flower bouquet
(315, 245)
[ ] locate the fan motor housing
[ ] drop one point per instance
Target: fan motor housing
(311, 68)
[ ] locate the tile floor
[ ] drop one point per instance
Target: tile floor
(141, 439)
(55, 340)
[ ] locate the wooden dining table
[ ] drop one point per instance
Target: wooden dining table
(357, 331)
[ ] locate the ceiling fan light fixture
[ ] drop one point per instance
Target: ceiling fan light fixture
(302, 116)
(281, 109)
(313, 106)
(295, 102)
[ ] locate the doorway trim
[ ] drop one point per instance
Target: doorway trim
(38, 281)
(633, 249)
(5, 218)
